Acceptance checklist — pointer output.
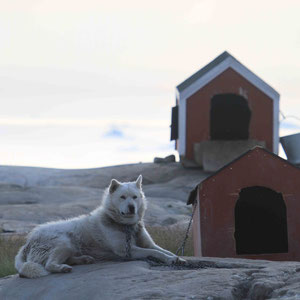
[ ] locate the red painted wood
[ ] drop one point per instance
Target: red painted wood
(198, 110)
(218, 194)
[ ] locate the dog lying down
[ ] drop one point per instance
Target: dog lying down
(55, 246)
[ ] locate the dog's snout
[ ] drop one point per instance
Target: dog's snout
(131, 209)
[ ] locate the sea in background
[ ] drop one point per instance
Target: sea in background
(90, 142)
(86, 132)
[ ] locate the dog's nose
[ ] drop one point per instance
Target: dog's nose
(131, 209)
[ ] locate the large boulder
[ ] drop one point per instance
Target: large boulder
(207, 278)
(30, 196)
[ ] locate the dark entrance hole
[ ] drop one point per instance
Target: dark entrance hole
(260, 222)
(229, 117)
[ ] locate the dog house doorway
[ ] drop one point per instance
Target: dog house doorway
(229, 117)
(260, 222)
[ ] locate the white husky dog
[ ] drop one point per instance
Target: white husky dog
(54, 246)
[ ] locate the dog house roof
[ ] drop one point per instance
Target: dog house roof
(203, 71)
(259, 150)
(220, 64)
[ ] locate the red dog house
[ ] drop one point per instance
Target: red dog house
(249, 209)
(224, 101)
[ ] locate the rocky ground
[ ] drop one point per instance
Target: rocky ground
(29, 196)
(209, 279)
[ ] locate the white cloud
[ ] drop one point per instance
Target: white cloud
(202, 11)
(114, 133)
(290, 125)
(82, 122)
(73, 144)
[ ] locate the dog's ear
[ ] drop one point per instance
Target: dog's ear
(114, 184)
(139, 182)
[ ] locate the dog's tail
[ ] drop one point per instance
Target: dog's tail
(28, 269)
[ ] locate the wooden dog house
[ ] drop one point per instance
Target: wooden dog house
(224, 101)
(249, 209)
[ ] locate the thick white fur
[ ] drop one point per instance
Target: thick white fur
(53, 247)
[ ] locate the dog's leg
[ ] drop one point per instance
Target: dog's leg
(55, 263)
(142, 253)
(80, 260)
(156, 247)
(145, 240)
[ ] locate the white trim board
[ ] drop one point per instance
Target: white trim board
(229, 62)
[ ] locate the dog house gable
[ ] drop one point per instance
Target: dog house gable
(225, 76)
(259, 188)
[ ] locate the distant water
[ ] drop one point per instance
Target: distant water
(89, 144)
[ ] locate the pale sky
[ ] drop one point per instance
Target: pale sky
(91, 83)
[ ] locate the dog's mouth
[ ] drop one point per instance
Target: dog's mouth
(130, 211)
(127, 215)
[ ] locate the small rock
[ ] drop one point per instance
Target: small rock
(169, 221)
(167, 159)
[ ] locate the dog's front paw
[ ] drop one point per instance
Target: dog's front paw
(65, 269)
(86, 259)
(180, 261)
(172, 260)
(176, 260)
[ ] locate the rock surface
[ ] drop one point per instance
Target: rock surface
(30, 196)
(215, 154)
(218, 279)
(164, 160)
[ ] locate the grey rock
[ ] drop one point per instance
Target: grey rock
(169, 221)
(208, 278)
(30, 196)
(213, 155)
(167, 159)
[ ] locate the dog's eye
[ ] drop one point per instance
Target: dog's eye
(134, 197)
(123, 197)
